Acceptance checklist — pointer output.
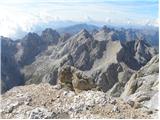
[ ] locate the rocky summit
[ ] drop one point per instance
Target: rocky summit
(23, 103)
(93, 73)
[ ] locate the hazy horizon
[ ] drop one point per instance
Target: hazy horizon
(20, 16)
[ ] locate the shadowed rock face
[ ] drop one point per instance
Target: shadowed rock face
(10, 70)
(108, 61)
(17, 54)
(108, 78)
(32, 45)
(136, 54)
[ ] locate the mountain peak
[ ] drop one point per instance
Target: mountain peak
(49, 31)
(74, 29)
(106, 29)
(32, 36)
(50, 35)
(85, 33)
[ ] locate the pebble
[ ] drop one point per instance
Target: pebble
(131, 103)
(115, 109)
(113, 101)
(137, 105)
(58, 96)
(149, 112)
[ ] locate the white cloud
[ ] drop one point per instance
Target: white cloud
(20, 16)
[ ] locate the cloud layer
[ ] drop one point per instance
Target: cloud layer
(20, 16)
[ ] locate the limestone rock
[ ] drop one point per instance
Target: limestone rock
(75, 78)
(41, 113)
(143, 85)
(45, 101)
(153, 103)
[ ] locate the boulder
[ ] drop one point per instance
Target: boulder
(76, 79)
(82, 82)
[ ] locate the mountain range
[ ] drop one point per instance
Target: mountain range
(83, 46)
(116, 61)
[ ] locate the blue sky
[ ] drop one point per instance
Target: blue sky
(24, 15)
